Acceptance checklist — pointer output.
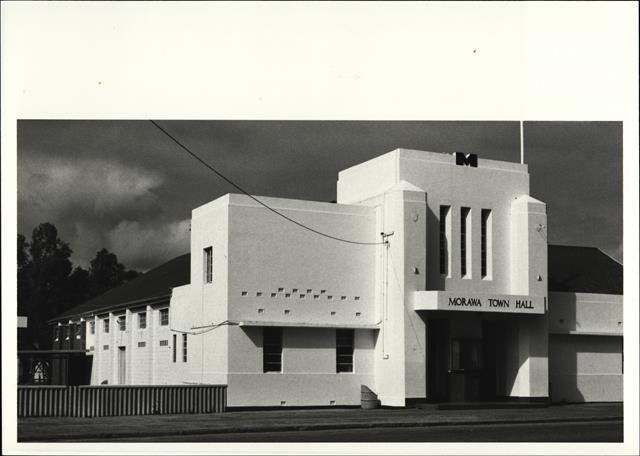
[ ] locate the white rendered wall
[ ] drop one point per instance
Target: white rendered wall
(208, 302)
(308, 374)
(585, 347)
(313, 280)
(517, 257)
(151, 364)
(268, 254)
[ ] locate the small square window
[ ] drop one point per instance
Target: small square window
(273, 295)
(105, 347)
(142, 344)
(357, 298)
(309, 290)
(260, 311)
(329, 297)
(343, 298)
(333, 314)
(287, 311)
(287, 295)
(295, 290)
(280, 290)
(358, 314)
(302, 296)
(164, 343)
(316, 296)
(259, 294)
(244, 293)
(323, 291)
(91, 348)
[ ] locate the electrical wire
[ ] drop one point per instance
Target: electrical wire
(222, 176)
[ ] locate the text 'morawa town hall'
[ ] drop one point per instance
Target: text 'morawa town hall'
(447, 291)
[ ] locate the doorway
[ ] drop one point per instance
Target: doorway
(465, 358)
(122, 366)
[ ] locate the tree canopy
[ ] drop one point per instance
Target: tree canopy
(48, 284)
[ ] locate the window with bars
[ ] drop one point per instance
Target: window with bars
(184, 348)
(272, 349)
(344, 350)
(208, 265)
(444, 239)
(164, 317)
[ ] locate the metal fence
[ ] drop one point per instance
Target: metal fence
(119, 400)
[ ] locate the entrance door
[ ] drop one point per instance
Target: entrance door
(122, 366)
(437, 359)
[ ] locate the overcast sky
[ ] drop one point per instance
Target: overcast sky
(125, 186)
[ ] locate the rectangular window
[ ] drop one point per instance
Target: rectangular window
(465, 241)
(485, 244)
(445, 230)
(272, 349)
(164, 343)
(92, 327)
(142, 320)
(175, 348)
(164, 317)
(184, 348)
(344, 350)
(142, 344)
(106, 325)
(105, 347)
(208, 265)
(122, 323)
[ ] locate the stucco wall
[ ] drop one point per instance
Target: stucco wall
(294, 275)
(308, 374)
(585, 347)
(585, 368)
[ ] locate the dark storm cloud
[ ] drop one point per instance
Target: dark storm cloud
(125, 186)
(576, 168)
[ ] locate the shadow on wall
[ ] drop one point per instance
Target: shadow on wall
(563, 355)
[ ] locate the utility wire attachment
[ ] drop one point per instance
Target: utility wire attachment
(222, 176)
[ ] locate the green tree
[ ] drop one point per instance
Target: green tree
(45, 274)
(49, 285)
(106, 273)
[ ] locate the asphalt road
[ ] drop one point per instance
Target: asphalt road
(594, 431)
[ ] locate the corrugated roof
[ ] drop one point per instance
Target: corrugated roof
(150, 286)
(583, 270)
(571, 269)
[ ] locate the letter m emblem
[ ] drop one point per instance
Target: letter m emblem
(463, 159)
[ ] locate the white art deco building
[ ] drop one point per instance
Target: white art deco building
(450, 293)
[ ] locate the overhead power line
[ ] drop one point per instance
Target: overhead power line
(222, 176)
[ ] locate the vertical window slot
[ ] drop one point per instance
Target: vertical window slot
(208, 265)
(486, 246)
(465, 242)
(445, 239)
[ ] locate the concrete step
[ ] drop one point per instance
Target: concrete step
(481, 405)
